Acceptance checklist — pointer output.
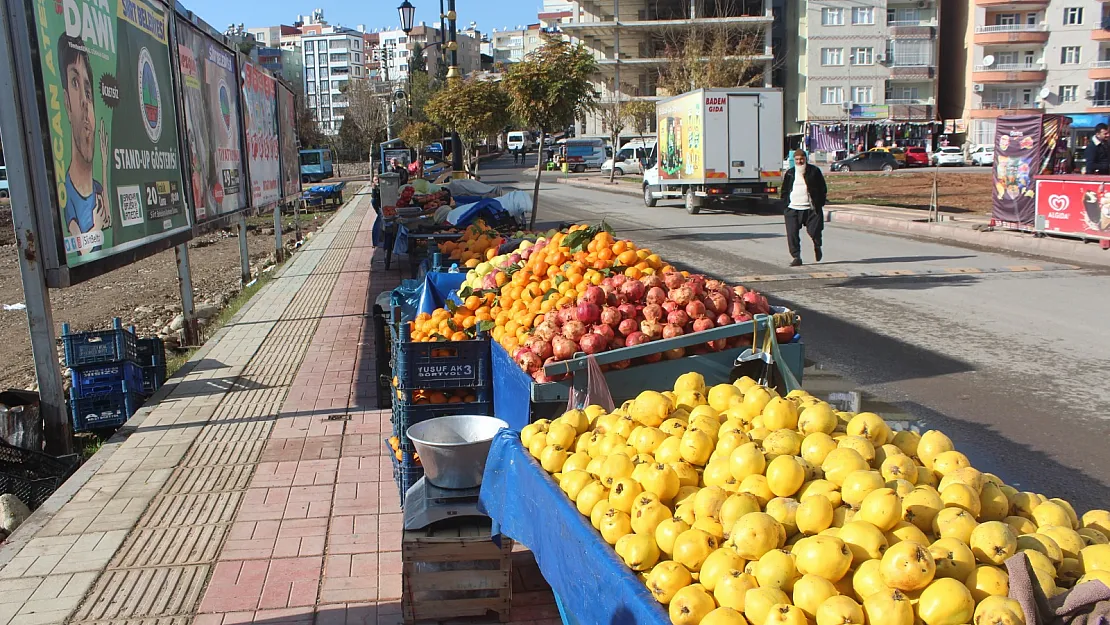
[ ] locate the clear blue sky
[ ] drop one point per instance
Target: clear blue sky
(489, 14)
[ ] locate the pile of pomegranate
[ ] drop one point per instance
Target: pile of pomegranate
(623, 312)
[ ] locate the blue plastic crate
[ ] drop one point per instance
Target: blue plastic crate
(154, 376)
(151, 351)
(102, 411)
(406, 471)
(441, 365)
(101, 346)
(406, 415)
(91, 380)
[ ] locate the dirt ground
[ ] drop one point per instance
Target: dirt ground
(958, 192)
(144, 294)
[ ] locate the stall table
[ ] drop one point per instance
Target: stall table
(591, 582)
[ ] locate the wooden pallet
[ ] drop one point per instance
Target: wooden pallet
(453, 569)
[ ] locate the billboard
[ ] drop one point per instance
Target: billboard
(1074, 205)
(208, 94)
(260, 122)
(111, 111)
(290, 156)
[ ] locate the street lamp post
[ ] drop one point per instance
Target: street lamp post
(407, 12)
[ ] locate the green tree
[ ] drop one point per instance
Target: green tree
(476, 109)
(549, 90)
(419, 135)
(417, 63)
(308, 129)
(640, 115)
(351, 141)
(614, 116)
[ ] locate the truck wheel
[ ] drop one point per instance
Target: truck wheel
(578, 169)
(692, 205)
(649, 200)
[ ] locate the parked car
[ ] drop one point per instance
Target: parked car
(898, 154)
(949, 156)
(983, 155)
(917, 157)
(867, 161)
(630, 158)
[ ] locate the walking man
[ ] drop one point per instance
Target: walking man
(804, 190)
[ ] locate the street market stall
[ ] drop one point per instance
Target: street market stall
(1026, 147)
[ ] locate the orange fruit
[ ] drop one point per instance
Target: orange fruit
(472, 302)
(627, 258)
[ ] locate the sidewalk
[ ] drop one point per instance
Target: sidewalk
(254, 487)
(965, 229)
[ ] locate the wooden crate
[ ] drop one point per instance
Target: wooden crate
(453, 569)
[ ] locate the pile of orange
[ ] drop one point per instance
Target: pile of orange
(477, 244)
(549, 280)
(395, 445)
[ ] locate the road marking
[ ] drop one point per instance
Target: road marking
(903, 273)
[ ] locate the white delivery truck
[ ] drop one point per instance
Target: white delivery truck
(716, 145)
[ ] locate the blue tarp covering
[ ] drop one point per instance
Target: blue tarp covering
(583, 570)
(438, 288)
(487, 208)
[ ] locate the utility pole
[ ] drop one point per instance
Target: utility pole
(453, 73)
(387, 56)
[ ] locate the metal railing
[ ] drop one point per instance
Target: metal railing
(1012, 28)
(1011, 105)
(1011, 67)
(1099, 64)
(919, 101)
(928, 22)
(1100, 102)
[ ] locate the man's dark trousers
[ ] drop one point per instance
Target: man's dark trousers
(812, 220)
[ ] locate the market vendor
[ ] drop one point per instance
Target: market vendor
(1097, 155)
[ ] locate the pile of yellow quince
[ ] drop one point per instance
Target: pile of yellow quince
(736, 505)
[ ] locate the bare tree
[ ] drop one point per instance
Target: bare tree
(366, 107)
(714, 54)
(614, 116)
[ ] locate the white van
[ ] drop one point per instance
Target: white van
(519, 140)
(631, 157)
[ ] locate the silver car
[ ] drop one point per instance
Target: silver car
(983, 155)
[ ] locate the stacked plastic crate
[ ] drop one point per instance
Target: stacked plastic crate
(434, 380)
(107, 375)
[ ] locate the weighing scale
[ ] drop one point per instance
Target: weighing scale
(426, 503)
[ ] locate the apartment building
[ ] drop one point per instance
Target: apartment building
(866, 71)
(1050, 56)
(633, 45)
(513, 45)
(400, 47)
(333, 55)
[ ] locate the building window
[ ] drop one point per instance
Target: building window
(404, 54)
(321, 45)
(404, 68)
(863, 15)
(832, 95)
(310, 75)
(309, 59)
(311, 101)
(324, 86)
(862, 95)
(1030, 58)
(1069, 93)
(1073, 16)
(402, 40)
(832, 56)
(310, 87)
(982, 132)
(356, 44)
(1069, 55)
(863, 56)
(832, 17)
(325, 99)
(1006, 19)
(903, 16)
(902, 94)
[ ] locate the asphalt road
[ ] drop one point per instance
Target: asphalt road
(1008, 355)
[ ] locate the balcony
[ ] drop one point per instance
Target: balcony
(1100, 34)
(915, 29)
(990, 110)
(908, 101)
(1010, 72)
(911, 110)
(1098, 70)
(1011, 33)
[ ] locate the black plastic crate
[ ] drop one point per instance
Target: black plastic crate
(32, 476)
(101, 346)
(103, 411)
(92, 380)
(406, 471)
(151, 351)
(441, 365)
(154, 376)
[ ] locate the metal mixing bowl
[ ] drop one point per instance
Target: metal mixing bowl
(453, 449)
